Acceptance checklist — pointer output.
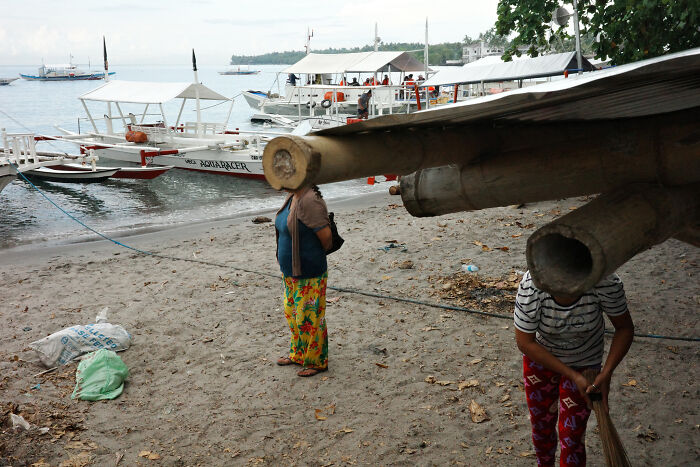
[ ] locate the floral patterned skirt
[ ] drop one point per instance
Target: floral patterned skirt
(305, 310)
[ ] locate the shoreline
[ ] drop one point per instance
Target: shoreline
(37, 251)
(204, 389)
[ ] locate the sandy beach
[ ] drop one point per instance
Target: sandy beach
(204, 389)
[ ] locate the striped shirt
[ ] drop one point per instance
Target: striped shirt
(574, 333)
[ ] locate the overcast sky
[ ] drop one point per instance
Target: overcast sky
(163, 32)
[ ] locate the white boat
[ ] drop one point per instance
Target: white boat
(66, 72)
(70, 176)
(199, 146)
(6, 81)
(18, 154)
(239, 71)
(327, 91)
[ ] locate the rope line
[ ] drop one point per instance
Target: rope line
(337, 289)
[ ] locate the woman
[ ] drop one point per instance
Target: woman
(303, 237)
(560, 336)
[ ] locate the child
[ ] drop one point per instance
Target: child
(560, 336)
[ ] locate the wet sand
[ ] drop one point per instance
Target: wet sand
(204, 389)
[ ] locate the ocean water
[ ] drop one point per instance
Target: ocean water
(117, 206)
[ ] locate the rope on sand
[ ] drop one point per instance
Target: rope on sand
(337, 289)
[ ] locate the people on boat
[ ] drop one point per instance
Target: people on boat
(292, 79)
(366, 83)
(303, 237)
(354, 82)
(385, 81)
(561, 336)
(363, 104)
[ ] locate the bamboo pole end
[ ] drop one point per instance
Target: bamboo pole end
(288, 162)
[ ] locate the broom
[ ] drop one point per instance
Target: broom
(613, 450)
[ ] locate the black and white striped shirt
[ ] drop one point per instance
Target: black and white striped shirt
(574, 333)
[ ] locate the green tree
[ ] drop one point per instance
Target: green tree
(626, 30)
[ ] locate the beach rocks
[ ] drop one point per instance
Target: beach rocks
(261, 220)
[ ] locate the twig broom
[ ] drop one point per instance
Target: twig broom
(613, 450)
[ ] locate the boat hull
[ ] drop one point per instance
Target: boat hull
(89, 76)
(6, 179)
(220, 162)
(70, 176)
(135, 173)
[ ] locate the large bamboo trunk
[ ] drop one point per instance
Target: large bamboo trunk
(664, 150)
(580, 158)
(573, 253)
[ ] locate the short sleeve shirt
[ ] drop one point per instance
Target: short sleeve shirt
(574, 333)
(311, 252)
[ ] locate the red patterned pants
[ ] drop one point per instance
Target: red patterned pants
(548, 393)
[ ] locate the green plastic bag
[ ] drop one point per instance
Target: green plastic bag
(100, 376)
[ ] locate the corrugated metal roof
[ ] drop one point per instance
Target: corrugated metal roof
(656, 86)
(525, 68)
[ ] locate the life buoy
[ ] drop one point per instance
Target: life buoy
(326, 103)
(311, 104)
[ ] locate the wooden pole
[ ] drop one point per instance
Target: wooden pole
(573, 253)
(504, 163)
(538, 163)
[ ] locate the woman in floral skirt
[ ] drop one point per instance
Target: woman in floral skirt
(303, 237)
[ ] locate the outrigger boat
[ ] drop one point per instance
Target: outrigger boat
(68, 72)
(239, 71)
(199, 146)
(19, 154)
(327, 90)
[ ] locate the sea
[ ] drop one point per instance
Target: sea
(118, 206)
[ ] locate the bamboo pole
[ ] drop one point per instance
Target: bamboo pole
(553, 164)
(505, 162)
(573, 253)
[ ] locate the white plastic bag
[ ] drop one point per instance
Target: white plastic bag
(63, 346)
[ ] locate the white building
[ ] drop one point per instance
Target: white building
(477, 50)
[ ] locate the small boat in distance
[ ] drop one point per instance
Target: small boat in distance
(6, 81)
(67, 72)
(239, 71)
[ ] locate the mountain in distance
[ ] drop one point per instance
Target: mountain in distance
(437, 53)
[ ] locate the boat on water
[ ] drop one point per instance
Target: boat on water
(239, 71)
(134, 135)
(137, 173)
(323, 83)
(70, 176)
(65, 72)
(18, 154)
(6, 81)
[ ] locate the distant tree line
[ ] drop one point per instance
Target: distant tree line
(438, 54)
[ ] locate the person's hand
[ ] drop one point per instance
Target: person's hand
(582, 385)
(601, 385)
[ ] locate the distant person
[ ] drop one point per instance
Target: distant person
(354, 82)
(363, 104)
(420, 78)
(385, 81)
(366, 83)
(303, 234)
(559, 337)
(292, 79)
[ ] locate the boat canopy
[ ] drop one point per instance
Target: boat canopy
(655, 86)
(356, 62)
(139, 92)
(490, 69)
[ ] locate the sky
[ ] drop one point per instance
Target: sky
(164, 32)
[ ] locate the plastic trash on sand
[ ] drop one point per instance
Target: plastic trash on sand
(100, 376)
(63, 346)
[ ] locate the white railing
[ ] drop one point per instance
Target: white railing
(19, 148)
